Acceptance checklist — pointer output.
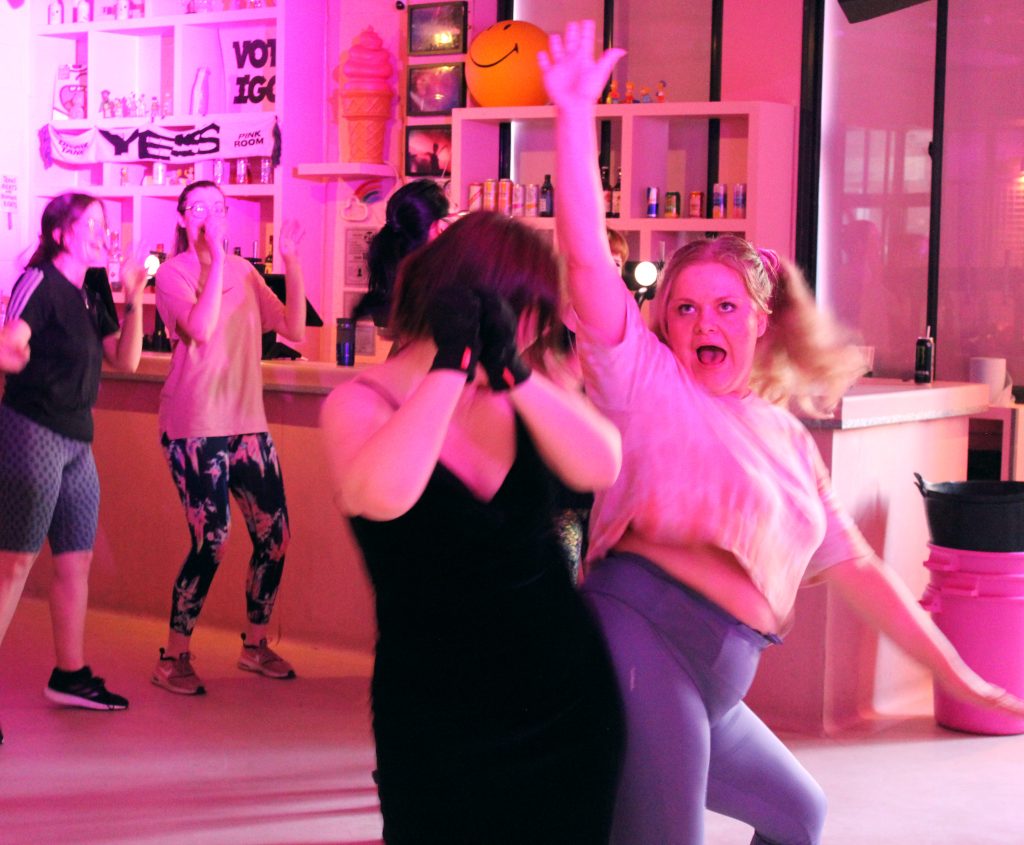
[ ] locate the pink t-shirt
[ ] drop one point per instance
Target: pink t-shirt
(737, 473)
(215, 389)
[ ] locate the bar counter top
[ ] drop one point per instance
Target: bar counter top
(887, 401)
(278, 375)
(870, 402)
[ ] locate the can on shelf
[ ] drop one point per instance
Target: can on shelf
(159, 172)
(242, 171)
(266, 171)
(696, 203)
(530, 202)
(490, 194)
(719, 199)
(739, 200)
(476, 196)
(671, 203)
(504, 196)
(518, 199)
(652, 201)
(218, 171)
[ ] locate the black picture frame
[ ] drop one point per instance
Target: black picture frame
(428, 150)
(436, 28)
(435, 89)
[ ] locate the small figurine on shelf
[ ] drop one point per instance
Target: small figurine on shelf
(122, 10)
(106, 104)
(613, 92)
(154, 109)
(645, 94)
(118, 107)
(83, 11)
(660, 93)
(131, 108)
(629, 98)
(55, 13)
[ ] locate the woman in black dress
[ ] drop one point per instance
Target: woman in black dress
(495, 711)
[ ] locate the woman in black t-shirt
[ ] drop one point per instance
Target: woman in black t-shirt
(47, 472)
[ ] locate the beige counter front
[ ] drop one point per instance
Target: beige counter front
(832, 671)
(142, 538)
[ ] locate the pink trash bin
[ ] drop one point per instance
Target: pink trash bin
(977, 600)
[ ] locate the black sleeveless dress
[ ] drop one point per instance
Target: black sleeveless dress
(495, 710)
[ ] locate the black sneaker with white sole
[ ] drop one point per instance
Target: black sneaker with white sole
(82, 689)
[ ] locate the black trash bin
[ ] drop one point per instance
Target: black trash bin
(981, 516)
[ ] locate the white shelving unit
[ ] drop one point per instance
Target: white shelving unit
(656, 144)
(158, 55)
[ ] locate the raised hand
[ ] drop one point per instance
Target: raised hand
(291, 236)
(133, 276)
(572, 75)
(210, 242)
(498, 352)
(454, 319)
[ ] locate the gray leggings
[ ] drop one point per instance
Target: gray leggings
(683, 666)
(48, 488)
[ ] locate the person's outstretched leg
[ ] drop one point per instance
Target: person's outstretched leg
(756, 779)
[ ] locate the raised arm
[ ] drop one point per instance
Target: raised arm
(294, 282)
(582, 447)
(574, 81)
(381, 459)
(884, 601)
(123, 350)
(201, 321)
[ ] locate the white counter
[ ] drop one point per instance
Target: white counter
(832, 671)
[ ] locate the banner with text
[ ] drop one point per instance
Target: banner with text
(226, 136)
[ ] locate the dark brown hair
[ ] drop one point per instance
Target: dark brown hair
(482, 250)
(60, 213)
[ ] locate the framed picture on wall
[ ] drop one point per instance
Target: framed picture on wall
(435, 89)
(428, 150)
(437, 28)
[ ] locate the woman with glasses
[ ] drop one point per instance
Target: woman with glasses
(213, 428)
(60, 327)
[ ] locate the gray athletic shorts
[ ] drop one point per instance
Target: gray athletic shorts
(48, 487)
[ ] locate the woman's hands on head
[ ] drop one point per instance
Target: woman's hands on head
(454, 319)
(572, 76)
(498, 352)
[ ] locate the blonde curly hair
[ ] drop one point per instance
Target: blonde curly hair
(804, 360)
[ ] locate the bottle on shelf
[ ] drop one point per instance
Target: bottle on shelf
(606, 190)
(269, 260)
(122, 10)
(546, 198)
(83, 11)
(55, 13)
(617, 194)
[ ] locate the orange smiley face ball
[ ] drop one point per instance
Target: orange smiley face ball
(501, 67)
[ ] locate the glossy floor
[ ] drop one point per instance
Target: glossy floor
(289, 762)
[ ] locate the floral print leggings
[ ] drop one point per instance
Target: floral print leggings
(205, 470)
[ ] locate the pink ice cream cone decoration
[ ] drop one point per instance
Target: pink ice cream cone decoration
(367, 97)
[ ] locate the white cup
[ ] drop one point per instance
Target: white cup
(990, 371)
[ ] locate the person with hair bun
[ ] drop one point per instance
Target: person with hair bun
(723, 507)
(495, 712)
(61, 325)
(415, 215)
